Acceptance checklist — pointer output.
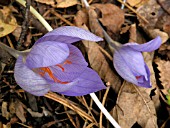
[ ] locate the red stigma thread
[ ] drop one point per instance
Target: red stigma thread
(61, 65)
(47, 70)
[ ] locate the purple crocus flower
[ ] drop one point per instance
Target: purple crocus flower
(54, 64)
(129, 63)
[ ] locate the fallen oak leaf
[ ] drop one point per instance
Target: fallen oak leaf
(164, 69)
(8, 22)
(134, 106)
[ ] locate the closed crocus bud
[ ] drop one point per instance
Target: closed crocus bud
(53, 64)
(129, 62)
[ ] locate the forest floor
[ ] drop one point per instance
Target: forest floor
(131, 106)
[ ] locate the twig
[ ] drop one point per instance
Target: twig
(103, 102)
(24, 24)
(68, 104)
(62, 18)
(37, 15)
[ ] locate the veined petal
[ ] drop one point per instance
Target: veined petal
(28, 80)
(88, 82)
(146, 83)
(73, 66)
(134, 60)
(146, 47)
(69, 34)
(47, 54)
(122, 68)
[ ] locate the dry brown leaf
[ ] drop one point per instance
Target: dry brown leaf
(134, 106)
(93, 23)
(48, 2)
(136, 3)
(60, 3)
(7, 21)
(151, 11)
(65, 3)
(34, 114)
(164, 68)
(19, 110)
(4, 110)
(164, 50)
(111, 18)
(165, 5)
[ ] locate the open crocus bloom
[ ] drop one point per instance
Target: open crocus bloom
(54, 64)
(129, 63)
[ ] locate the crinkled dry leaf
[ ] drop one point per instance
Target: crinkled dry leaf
(48, 2)
(65, 3)
(136, 3)
(165, 5)
(151, 11)
(19, 110)
(134, 106)
(112, 17)
(60, 3)
(4, 110)
(7, 21)
(164, 50)
(164, 68)
(93, 23)
(153, 33)
(34, 114)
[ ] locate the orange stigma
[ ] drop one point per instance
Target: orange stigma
(47, 70)
(61, 65)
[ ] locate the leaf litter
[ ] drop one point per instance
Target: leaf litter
(131, 106)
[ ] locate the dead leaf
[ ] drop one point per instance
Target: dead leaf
(60, 3)
(34, 114)
(93, 23)
(136, 3)
(8, 22)
(111, 18)
(19, 110)
(65, 3)
(48, 2)
(164, 50)
(4, 110)
(134, 106)
(164, 68)
(151, 11)
(165, 4)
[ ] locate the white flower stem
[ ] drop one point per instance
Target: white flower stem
(123, 6)
(93, 95)
(37, 15)
(103, 109)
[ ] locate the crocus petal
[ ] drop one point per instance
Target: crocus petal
(146, 83)
(28, 80)
(147, 47)
(88, 82)
(69, 34)
(74, 65)
(47, 54)
(122, 68)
